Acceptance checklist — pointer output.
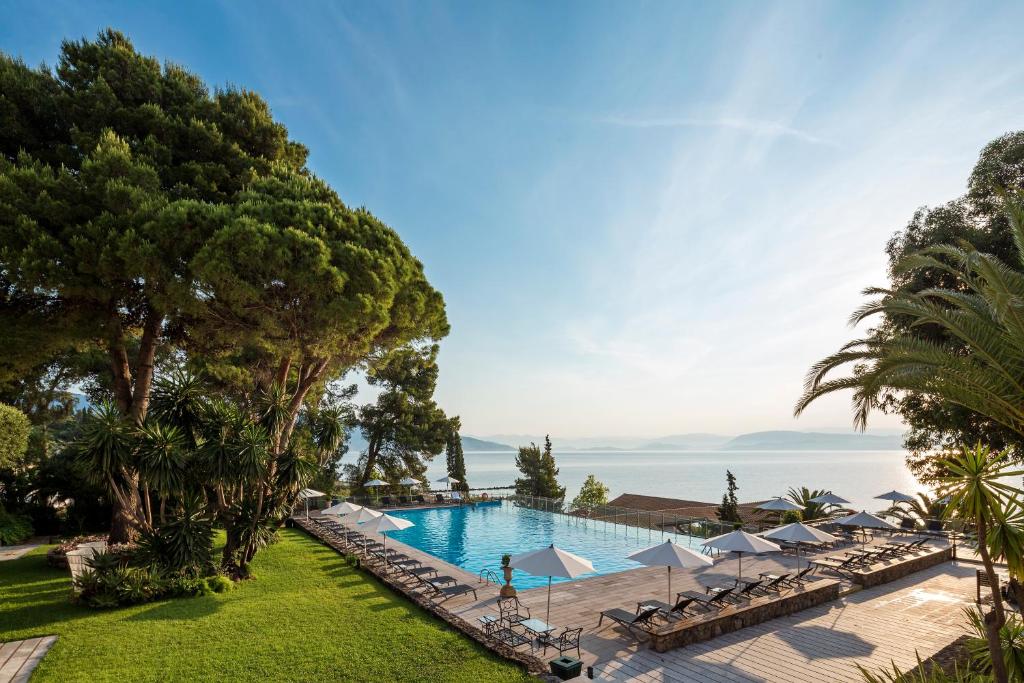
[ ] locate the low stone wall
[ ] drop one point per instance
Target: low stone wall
(531, 663)
(733, 618)
(897, 570)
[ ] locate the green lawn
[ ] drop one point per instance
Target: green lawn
(307, 616)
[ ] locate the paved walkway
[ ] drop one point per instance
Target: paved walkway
(19, 657)
(13, 552)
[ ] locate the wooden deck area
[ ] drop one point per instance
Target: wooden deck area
(19, 657)
(920, 613)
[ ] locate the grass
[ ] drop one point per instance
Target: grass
(306, 616)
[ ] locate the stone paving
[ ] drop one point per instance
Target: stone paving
(13, 552)
(19, 657)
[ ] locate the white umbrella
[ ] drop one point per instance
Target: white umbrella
(740, 542)
(669, 555)
(897, 497)
(865, 520)
(549, 562)
(306, 494)
(385, 523)
(779, 504)
(799, 533)
(410, 482)
(343, 508)
(447, 481)
(374, 483)
(359, 517)
(830, 499)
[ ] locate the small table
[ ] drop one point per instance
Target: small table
(539, 629)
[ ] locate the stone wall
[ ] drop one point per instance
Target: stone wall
(897, 570)
(733, 618)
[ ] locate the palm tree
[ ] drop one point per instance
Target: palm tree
(977, 494)
(925, 507)
(802, 497)
(984, 313)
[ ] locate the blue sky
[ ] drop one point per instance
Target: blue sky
(646, 218)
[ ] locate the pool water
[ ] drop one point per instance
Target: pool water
(475, 538)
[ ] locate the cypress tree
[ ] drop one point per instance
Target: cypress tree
(456, 461)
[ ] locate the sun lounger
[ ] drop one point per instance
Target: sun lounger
(842, 566)
(709, 602)
(630, 621)
(800, 578)
(450, 592)
(776, 584)
(421, 500)
(424, 570)
(386, 501)
(749, 590)
(668, 611)
(403, 500)
(438, 498)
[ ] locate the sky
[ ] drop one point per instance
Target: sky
(646, 218)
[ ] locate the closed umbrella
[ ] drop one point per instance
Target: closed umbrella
(550, 562)
(798, 533)
(669, 555)
(382, 525)
(740, 542)
(865, 520)
(306, 494)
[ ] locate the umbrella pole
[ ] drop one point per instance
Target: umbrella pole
(385, 535)
(741, 569)
(670, 585)
(547, 618)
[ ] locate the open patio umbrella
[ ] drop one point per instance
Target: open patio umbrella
(410, 482)
(382, 525)
(740, 542)
(375, 484)
(865, 520)
(359, 517)
(799, 533)
(780, 505)
(830, 499)
(447, 481)
(306, 494)
(669, 555)
(341, 509)
(550, 562)
(897, 497)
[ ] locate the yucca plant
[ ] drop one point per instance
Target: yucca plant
(1011, 638)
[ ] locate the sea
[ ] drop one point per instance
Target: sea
(858, 476)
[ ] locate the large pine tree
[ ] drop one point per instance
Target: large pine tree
(540, 475)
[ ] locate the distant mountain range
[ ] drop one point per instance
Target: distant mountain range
(755, 441)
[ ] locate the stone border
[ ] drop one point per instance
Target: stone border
(533, 664)
(733, 618)
(891, 572)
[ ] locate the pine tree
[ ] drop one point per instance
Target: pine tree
(456, 461)
(729, 511)
(540, 475)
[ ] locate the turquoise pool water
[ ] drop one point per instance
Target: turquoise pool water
(475, 538)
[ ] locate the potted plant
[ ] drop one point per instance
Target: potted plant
(508, 590)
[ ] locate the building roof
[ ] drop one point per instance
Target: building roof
(684, 508)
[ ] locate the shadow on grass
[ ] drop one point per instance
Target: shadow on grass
(178, 609)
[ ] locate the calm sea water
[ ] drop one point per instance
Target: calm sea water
(858, 476)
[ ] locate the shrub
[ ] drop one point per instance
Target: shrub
(220, 584)
(14, 431)
(14, 528)
(791, 516)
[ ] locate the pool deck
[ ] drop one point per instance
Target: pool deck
(918, 614)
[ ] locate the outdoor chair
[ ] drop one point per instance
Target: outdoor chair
(748, 591)
(421, 500)
(403, 500)
(841, 566)
(630, 621)
(456, 497)
(424, 570)
(438, 498)
(566, 641)
(386, 501)
(449, 592)
(509, 609)
(776, 585)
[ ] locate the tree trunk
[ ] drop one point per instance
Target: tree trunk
(995, 619)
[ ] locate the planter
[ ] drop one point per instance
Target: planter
(566, 668)
(508, 590)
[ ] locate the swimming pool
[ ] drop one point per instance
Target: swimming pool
(475, 537)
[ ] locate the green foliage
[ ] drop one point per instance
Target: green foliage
(220, 583)
(803, 496)
(1011, 636)
(14, 431)
(592, 494)
(791, 516)
(540, 476)
(729, 511)
(456, 461)
(921, 674)
(300, 583)
(14, 528)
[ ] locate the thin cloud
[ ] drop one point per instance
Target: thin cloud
(751, 126)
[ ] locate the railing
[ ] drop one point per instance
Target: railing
(488, 575)
(630, 520)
